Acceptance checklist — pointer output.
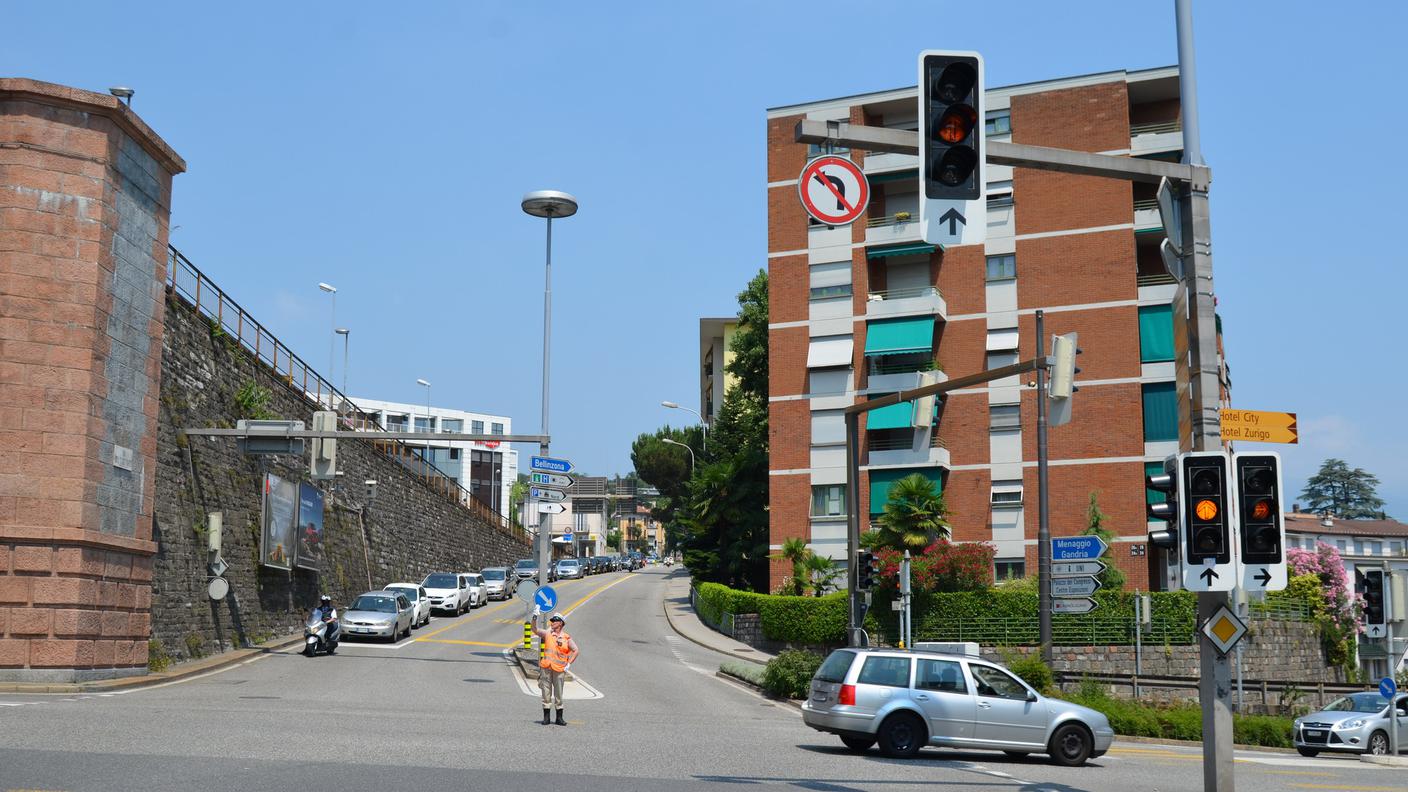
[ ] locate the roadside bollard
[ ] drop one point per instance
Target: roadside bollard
(527, 635)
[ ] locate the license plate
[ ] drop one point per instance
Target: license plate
(1314, 733)
(361, 630)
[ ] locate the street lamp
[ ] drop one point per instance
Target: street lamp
(427, 419)
(685, 447)
(546, 204)
(346, 340)
(332, 340)
(703, 423)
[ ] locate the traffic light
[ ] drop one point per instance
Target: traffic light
(951, 125)
(867, 570)
(1375, 614)
(1063, 366)
(1259, 496)
(1167, 483)
(1207, 522)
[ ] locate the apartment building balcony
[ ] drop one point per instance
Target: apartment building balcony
(1146, 217)
(893, 229)
(1157, 138)
(918, 301)
(884, 161)
(882, 378)
(898, 449)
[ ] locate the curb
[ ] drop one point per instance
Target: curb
(183, 671)
(1391, 761)
(1123, 738)
(743, 683)
(668, 618)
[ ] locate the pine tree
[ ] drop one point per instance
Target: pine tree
(1340, 492)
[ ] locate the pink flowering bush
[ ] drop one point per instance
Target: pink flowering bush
(1319, 577)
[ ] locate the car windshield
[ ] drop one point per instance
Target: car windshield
(441, 580)
(411, 594)
(567, 563)
(375, 604)
(1357, 702)
(493, 574)
(526, 563)
(836, 666)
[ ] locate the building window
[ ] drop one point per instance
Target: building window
(395, 423)
(1005, 416)
(1376, 548)
(817, 149)
(830, 292)
(1160, 411)
(1395, 548)
(496, 428)
(454, 453)
(1006, 493)
(1359, 547)
(425, 425)
(999, 123)
(1002, 267)
(1000, 201)
(1340, 545)
(829, 500)
(1009, 569)
(451, 425)
(1155, 333)
(476, 427)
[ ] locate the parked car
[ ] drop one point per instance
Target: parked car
(419, 600)
(569, 568)
(379, 614)
(448, 592)
(499, 582)
(526, 569)
(478, 591)
(905, 700)
(1357, 723)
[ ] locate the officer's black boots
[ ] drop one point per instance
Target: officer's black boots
(546, 713)
(560, 721)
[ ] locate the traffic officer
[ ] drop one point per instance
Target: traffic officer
(559, 650)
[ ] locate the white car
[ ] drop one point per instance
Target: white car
(419, 600)
(499, 582)
(478, 589)
(448, 592)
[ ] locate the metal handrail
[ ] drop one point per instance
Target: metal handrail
(185, 281)
(1150, 203)
(1155, 128)
(879, 368)
(889, 220)
(900, 294)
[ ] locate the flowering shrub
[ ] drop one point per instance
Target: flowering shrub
(942, 566)
(1319, 577)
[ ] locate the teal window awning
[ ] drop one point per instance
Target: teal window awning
(895, 416)
(1155, 333)
(882, 480)
(914, 249)
(900, 336)
(1160, 412)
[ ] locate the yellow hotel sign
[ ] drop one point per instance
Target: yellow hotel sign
(1259, 427)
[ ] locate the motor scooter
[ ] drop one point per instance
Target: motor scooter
(321, 634)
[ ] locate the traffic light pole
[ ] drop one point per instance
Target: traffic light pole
(1043, 531)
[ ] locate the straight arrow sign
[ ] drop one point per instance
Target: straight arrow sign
(1077, 568)
(551, 508)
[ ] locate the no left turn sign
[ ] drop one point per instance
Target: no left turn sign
(833, 190)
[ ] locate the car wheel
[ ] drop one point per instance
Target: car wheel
(858, 744)
(1307, 751)
(1071, 745)
(1378, 743)
(902, 735)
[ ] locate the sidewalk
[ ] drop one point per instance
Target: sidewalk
(685, 621)
(178, 672)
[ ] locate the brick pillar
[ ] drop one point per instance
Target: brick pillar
(85, 195)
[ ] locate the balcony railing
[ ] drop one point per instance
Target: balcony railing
(878, 367)
(1154, 128)
(901, 443)
(1146, 204)
(897, 218)
(186, 282)
(900, 294)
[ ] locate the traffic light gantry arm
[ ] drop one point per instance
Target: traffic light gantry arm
(1080, 163)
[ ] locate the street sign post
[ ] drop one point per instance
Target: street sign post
(549, 464)
(1077, 568)
(546, 494)
(1072, 605)
(545, 507)
(551, 480)
(525, 591)
(1259, 427)
(1077, 548)
(1082, 586)
(834, 190)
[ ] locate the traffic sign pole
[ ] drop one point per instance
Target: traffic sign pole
(1043, 531)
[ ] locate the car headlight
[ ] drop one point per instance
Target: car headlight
(1354, 724)
(1297, 723)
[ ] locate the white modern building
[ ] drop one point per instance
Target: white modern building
(487, 469)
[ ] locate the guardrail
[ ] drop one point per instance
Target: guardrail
(185, 281)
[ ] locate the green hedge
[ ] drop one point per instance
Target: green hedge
(1182, 722)
(800, 620)
(790, 673)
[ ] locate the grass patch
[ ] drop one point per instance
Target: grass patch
(751, 673)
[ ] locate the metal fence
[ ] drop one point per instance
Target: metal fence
(187, 282)
(1066, 630)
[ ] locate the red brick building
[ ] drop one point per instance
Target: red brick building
(868, 309)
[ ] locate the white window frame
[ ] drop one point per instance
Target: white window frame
(1004, 260)
(1002, 492)
(833, 494)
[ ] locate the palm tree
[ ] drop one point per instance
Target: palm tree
(914, 515)
(820, 572)
(795, 550)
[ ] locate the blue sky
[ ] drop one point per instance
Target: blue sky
(386, 152)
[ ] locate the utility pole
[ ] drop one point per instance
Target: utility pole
(1043, 531)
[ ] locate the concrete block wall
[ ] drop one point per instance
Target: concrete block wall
(85, 192)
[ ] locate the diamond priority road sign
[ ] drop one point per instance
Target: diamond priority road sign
(1224, 629)
(1077, 548)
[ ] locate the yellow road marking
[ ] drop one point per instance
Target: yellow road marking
(1298, 772)
(1354, 788)
(471, 643)
(478, 615)
(428, 636)
(595, 592)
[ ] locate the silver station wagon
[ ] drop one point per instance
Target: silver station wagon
(905, 700)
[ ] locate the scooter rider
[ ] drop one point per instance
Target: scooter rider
(328, 613)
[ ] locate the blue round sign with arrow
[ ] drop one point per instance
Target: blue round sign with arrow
(545, 598)
(1387, 687)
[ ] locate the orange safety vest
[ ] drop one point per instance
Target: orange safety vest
(557, 652)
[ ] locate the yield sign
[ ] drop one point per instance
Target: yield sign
(833, 190)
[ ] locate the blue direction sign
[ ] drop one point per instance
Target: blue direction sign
(1077, 548)
(549, 464)
(1387, 687)
(545, 598)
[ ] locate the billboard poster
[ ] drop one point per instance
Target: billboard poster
(280, 508)
(310, 528)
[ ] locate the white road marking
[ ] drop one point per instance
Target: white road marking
(574, 689)
(674, 642)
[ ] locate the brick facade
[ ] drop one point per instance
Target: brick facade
(85, 194)
(1077, 259)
